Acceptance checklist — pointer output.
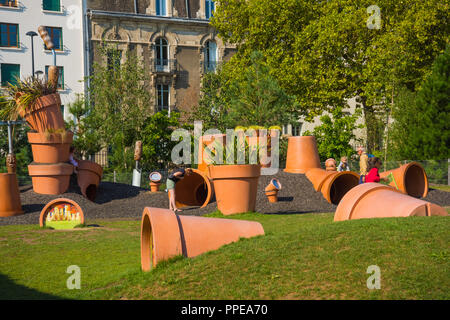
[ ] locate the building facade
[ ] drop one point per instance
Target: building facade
(172, 38)
(64, 22)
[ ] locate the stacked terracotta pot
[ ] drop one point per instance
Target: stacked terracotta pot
(50, 144)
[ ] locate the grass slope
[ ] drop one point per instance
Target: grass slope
(304, 256)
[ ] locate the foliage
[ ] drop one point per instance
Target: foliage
(335, 133)
(21, 148)
(421, 129)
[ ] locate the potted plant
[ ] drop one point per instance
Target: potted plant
(36, 100)
(235, 185)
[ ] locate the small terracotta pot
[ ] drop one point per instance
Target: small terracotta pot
(50, 148)
(205, 141)
(89, 176)
(374, 200)
(195, 190)
(272, 189)
(10, 204)
(272, 196)
(154, 186)
(165, 235)
(50, 178)
(45, 114)
(235, 187)
(332, 184)
(410, 178)
(302, 154)
(60, 201)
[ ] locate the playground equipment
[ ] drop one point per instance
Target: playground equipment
(302, 154)
(165, 235)
(61, 213)
(89, 176)
(50, 178)
(194, 190)
(374, 200)
(235, 187)
(333, 185)
(410, 179)
(10, 204)
(155, 181)
(272, 189)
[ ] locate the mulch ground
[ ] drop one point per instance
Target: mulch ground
(116, 200)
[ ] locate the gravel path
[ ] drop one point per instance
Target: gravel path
(116, 200)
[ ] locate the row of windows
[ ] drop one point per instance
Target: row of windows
(48, 5)
(9, 36)
(11, 72)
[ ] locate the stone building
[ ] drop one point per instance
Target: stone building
(172, 38)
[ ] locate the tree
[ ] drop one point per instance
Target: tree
(324, 53)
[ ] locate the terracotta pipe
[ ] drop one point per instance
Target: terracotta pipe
(302, 154)
(205, 141)
(194, 190)
(50, 178)
(165, 235)
(89, 176)
(410, 178)
(51, 148)
(374, 200)
(332, 184)
(75, 213)
(10, 204)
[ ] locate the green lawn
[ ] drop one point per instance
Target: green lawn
(304, 256)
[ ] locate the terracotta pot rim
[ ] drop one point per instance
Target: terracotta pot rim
(54, 138)
(234, 171)
(72, 202)
(405, 167)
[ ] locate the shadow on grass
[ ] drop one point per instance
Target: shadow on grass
(13, 291)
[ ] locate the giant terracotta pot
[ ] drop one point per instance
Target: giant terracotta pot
(165, 235)
(205, 141)
(89, 176)
(410, 178)
(50, 178)
(235, 187)
(195, 190)
(332, 184)
(10, 204)
(50, 148)
(302, 154)
(46, 113)
(375, 200)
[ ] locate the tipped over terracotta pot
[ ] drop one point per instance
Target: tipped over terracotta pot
(302, 154)
(89, 176)
(236, 187)
(195, 190)
(272, 189)
(410, 179)
(165, 235)
(10, 204)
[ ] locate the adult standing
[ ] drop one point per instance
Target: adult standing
(176, 175)
(363, 164)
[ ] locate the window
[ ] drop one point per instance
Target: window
(209, 8)
(9, 35)
(162, 54)
(296, 130)
(8, 3)
(62, 110)
(55, 34)
(10, 73)
(163, 96)
(161, 8)
(51, 5)
(210, 56)
(60, 77)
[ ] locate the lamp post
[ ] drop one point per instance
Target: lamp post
(32, 34)
(38, 73)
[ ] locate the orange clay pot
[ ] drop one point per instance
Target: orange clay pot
(154, 186)
(333, 185)
(235, 187)
(50, 178)
(374, 200)
(302, 154)
(44, 114)
(89, 176)
(9, 195)
(205, 141)
(51, 204)
(272, 189)
(195, 190)
(165, 235)
(410, 178)
(51, 148)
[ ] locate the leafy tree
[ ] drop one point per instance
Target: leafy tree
(21, 147)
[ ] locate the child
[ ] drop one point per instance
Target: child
(330, 164)
(72, 160)
(176, 175)
(343, 165)
(374, 167)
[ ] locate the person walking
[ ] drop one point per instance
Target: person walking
(176, 175)
(363, 164)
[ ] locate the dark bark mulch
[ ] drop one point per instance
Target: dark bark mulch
(116, 200)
